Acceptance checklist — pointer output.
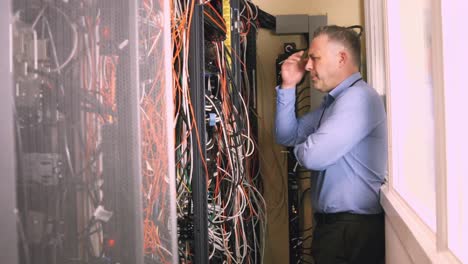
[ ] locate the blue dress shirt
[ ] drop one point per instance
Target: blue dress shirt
(349, 146)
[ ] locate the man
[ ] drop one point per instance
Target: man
(344, 141)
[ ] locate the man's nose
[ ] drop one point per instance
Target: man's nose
(309, 65)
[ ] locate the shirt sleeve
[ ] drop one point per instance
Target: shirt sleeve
(290, 130)
(351, 118)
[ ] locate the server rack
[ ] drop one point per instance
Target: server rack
(91, 185)
(214, 167)
(199, 182)
(8, 216)
(94, 102)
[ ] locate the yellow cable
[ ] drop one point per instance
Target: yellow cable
(227, 18)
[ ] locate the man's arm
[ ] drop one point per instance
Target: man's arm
(352, 119)
(289, 130)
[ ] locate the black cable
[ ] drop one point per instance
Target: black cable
(264, 19)
(361, 29)
(213, 31)
(298, 94)
(302, 99)
(302, 108)
(24, 240)
(303, 195)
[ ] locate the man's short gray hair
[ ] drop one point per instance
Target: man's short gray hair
(346, 36)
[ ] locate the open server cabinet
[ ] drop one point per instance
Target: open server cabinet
(130, 132)
(220, 208)
(92, 131)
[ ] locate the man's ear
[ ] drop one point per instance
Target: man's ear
(343, 57)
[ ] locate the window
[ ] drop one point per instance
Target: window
(424, 71)
(412, 111)
(456, 94)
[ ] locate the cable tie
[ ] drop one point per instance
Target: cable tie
(102, 214)
(123, 44)
(212, 119)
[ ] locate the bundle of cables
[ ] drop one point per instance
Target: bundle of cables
(215, 26)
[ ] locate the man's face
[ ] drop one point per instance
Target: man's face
(323, 63)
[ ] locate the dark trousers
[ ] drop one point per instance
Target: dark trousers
(344, 238)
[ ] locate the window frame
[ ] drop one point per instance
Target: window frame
(423, 245)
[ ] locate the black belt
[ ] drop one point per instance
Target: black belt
(322, 218)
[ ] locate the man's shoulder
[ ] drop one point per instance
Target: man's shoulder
(360, 91)
(362, 95)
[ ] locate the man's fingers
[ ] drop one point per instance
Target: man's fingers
(296, 56)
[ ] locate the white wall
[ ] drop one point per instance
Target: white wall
(395, 252)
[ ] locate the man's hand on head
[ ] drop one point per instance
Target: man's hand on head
(293, 69)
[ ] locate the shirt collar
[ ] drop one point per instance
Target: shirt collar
(345, 84)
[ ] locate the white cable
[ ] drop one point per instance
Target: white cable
(75, 37)
(38, 17)
(249, 153)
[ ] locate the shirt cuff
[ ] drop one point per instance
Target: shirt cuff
(285, 95)
(279, 88)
